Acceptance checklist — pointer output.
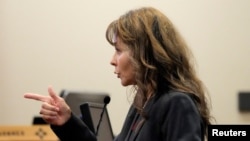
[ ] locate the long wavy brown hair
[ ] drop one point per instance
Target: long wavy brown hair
(160, 56)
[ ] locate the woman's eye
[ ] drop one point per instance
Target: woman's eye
(117, 50)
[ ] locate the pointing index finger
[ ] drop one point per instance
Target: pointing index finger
(37, 97)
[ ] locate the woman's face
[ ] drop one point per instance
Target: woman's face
(122, 63)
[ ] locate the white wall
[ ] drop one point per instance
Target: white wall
(62, 43)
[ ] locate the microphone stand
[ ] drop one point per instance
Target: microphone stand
(106, 102)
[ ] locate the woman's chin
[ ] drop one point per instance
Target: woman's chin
(126, 83)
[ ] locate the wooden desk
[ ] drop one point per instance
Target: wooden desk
(27, 133)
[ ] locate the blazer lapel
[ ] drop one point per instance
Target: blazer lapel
(141, 120)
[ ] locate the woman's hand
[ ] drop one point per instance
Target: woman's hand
(54, 109)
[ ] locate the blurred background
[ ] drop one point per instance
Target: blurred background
(62, 43)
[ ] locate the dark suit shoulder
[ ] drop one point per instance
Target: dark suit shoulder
(175, 96)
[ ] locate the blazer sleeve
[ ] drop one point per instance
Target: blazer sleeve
(182, 121)
(74, 130)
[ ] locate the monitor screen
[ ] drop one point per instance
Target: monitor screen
(97, 118)
(75, 98)
(92, 112)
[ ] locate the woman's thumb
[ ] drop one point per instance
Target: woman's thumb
(52, 93)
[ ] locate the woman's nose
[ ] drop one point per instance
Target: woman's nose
(112, 62)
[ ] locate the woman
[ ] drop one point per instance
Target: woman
(170, 101)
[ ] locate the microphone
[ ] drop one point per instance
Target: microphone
(106, 101)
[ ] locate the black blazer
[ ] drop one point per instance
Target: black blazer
(173, 116)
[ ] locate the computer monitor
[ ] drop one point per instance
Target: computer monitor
(97, 118)
(75, 98)
(95, 105)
